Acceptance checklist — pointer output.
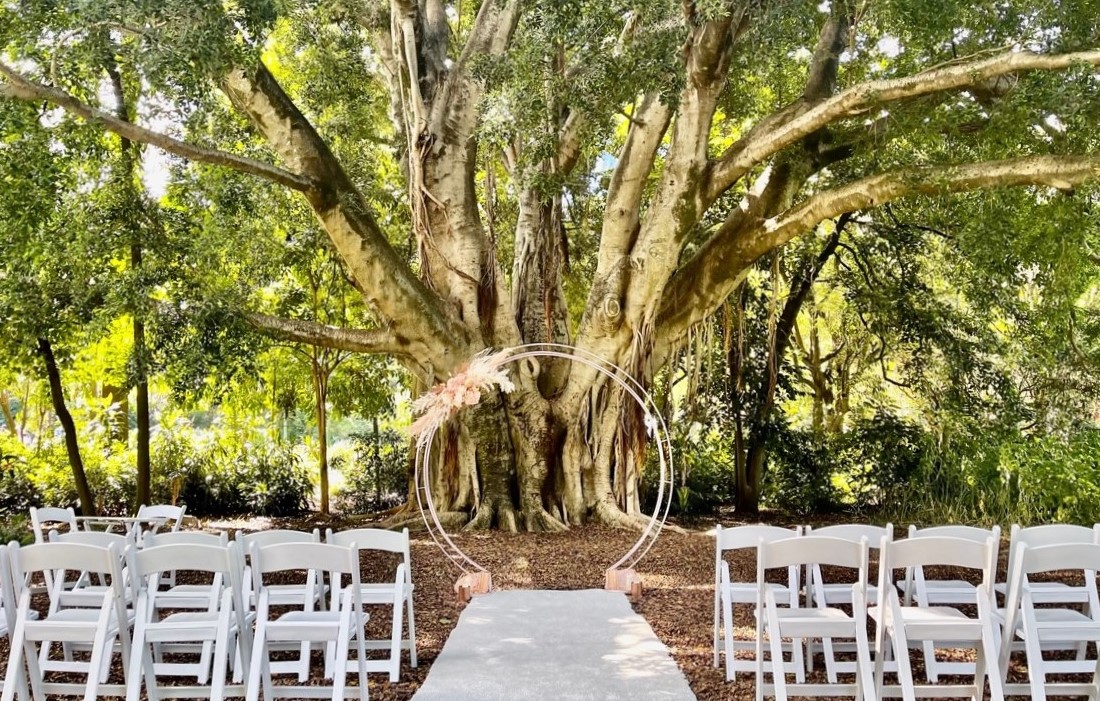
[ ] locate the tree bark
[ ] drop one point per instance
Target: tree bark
(320, 397)
(144, 461)
(72, 442)
(9, 416)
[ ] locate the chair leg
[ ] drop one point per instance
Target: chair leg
(395, 642)
(340, 664)
(1035, 674)
(779, 668)
(412, 631)
(100, 648)
(15, 662)
(257, 668)
(865, 679)
(221, 657)
(798, 660)
(727, 630)
(830, 659)
(717, 613)
(905, 669)
(930, 668)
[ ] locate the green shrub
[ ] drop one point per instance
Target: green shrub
(247, 479)
(377, 478)
(798, 479)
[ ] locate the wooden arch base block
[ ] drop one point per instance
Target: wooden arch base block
(471, 584)
(625, 580)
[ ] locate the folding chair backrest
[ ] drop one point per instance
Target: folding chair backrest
(100, 539)
(966, 532)
(813, 550)
(185, 556)
(218, 540)
(43, 518)
(1051, 534)
(173, 515)
(856, 532)
(740, 537)
(277, 536)
(942, 551)
(372, 539)
(321, 557)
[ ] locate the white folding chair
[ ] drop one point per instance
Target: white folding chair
(945, 592)
(397, 594)
(172, 515)
(821, 621)
(1055, 592)
(728, 594)
(1054, 627)
(184, 596)
(825, 594)
(899, 626)
(83, 593)
(221, 622)
(98, 627)
(45, 519)
(7, 622)
(343, 621)
(308, 595)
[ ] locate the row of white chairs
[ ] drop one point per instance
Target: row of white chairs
(1038, 615)
(108, 596)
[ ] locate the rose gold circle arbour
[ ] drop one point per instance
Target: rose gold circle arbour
(654, 423)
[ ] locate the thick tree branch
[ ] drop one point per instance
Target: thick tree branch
(17, 86)
(299, 331)
(394, 291)
(805, 117)
(704, 281)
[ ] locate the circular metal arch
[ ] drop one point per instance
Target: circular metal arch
(654, 422)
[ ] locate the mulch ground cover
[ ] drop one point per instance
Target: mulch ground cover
(678, 603)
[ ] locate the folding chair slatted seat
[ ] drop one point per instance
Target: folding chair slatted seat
(824, 594)
(945, 592)
(819, 621)
(1056, 628)
(343, 622)
(729, 593)
(397, 594)
(900, 626)
(100, 628)
(222, 624)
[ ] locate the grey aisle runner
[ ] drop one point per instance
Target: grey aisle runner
(536, 645)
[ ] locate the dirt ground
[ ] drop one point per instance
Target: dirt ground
(678, 602)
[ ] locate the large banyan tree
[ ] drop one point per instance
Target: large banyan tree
(599, 173)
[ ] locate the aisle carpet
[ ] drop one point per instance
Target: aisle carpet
(568, 645)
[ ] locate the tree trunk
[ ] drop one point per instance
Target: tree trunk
(72, 444)
(320, 395)
(750, 472)
(144, 471)
(9, 416)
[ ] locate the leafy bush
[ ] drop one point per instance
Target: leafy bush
(878, 459)
(702, 473)
(377, 478)
(801, 465)
(264, 480)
